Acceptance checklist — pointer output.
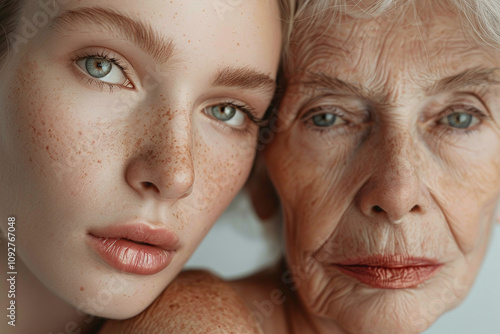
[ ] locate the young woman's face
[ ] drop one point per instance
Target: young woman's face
(387, 162)
(125, 130)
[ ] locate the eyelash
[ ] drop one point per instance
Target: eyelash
(307, 119)
(104, 54)
(464, 109)
(247, 110)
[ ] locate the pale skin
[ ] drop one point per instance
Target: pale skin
(398, 156)
(82, 153)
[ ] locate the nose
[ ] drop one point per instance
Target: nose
(164, 168)
(394, 188)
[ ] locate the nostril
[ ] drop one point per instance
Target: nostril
(377, 208)
(415, 208)
(150, 185)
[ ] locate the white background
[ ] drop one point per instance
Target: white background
(239, 244)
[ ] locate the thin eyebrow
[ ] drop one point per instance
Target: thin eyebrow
(471, 77)
(142, 34)
(245, 78)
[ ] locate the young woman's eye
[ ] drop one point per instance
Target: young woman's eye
(460, 120)
(227, 113)
(105, 70)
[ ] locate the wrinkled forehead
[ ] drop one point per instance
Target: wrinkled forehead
(397, 46)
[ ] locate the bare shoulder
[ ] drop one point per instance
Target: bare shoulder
(195, 302)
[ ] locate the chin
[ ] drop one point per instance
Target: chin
(361, 309)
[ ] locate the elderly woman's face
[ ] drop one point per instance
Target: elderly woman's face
(387, 162)
(123, 125)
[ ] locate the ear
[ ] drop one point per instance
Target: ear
(264, 198)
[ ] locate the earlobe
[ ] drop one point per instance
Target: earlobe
(264, 199)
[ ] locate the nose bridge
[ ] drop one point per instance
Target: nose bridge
(398, 160)
(174, 149)
(164, 166)
(394, 188)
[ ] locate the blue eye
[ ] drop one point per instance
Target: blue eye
(104, 70)
(460, 120)
(324, 120)
(227, 113)
(98, 67)
(464, 117)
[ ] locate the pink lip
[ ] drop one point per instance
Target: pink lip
(390, 272)
(135, 248)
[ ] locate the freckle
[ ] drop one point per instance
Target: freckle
(98, 161)
(82, 288)
(80, 133)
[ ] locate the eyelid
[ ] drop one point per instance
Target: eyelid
(245, 109)
(463, 108)
(115, 58)
(328, 109)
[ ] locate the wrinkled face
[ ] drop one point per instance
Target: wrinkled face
(125, 130)
(387, 162)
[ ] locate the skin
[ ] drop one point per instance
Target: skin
(77, 157)
(391, 174)
(436, 186)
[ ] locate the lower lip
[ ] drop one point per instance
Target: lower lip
(131, 257)
(391, 277)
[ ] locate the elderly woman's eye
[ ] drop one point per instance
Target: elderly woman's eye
(463, 118)
(228, 113)
(105, 70)
(326, 119)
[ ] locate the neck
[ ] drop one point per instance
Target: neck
(37, 309)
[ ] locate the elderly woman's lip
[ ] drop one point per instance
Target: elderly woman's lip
(389, 261)
(391, 272)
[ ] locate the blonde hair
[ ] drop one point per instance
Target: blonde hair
(482, 17)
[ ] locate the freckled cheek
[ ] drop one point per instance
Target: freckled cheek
(50, 141)
(222, 165)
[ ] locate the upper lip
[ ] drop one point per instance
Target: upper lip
(140, 232)
(389, 261)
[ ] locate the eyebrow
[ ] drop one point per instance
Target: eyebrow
(245, 78)
(336, 86)
(471, 77)
(140, 33)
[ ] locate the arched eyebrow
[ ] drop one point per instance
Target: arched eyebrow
(100, 18)
(473, 77)
(150, 41)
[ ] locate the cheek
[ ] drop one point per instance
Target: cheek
(49, 143)
(315, 187)
(467, 188)
(222, 164)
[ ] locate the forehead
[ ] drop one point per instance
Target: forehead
(393, 50)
